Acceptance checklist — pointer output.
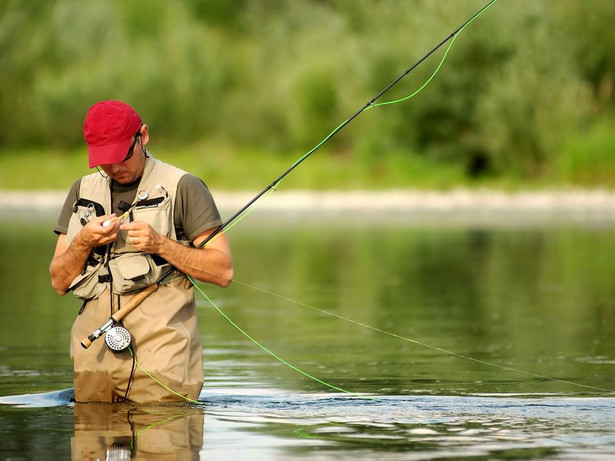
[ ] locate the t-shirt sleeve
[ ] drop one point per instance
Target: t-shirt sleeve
(67, 209)
(195, 209)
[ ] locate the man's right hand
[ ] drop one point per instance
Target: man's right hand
(95, 234)
(69, 260)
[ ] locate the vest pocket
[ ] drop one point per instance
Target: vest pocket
(130, 272)
(86, 285)
(155, 212)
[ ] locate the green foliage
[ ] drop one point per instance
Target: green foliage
(530, 98)
(588, 156)
(279, 76)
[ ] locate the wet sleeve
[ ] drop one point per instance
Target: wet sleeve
(67, 209)
(195, 209)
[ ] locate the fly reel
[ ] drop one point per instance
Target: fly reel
(117, 339)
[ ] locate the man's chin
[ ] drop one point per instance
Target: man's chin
(123, 179)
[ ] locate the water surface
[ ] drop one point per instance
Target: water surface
(456, 339)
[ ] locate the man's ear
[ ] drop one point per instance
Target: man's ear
(144, 134)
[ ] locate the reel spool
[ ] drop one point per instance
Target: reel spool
(117, 339)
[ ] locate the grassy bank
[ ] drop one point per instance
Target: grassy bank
(226, 168)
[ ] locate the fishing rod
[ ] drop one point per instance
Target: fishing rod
(367, 105)
(114, 319)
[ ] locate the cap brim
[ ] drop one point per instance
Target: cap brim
(109, 153)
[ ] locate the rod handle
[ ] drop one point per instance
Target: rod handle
(133, 303)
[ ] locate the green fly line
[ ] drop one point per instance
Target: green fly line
(269, 351)
(396, 101)
(370, 105)
(157, 381)
(420, 343)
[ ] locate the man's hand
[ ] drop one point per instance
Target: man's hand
(211, 264)
(143, 237)
(69, 260)
(94, 234)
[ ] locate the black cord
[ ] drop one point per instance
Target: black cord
(132, 372)
(133, 441)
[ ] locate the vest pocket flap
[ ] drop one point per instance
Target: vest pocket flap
(85, 285)
(130, 267)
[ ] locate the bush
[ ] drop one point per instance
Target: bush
(587, 158)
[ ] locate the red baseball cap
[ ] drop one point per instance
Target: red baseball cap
(108, 129)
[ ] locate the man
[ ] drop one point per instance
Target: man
(136, 223)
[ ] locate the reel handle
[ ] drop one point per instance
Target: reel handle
(119, 315)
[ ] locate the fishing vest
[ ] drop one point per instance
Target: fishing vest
(119, 265)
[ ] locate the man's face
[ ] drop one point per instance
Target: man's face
(131, 168)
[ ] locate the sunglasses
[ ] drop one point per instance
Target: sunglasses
(132, 146)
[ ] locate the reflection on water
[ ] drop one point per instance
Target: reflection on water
(124, 431)
(533, 306)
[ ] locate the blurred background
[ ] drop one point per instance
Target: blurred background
(234, 91)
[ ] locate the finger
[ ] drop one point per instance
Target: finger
(109, 239)
(130, 227)
(113, 226)
(104, 218)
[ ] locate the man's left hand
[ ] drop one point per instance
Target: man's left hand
(143, 237)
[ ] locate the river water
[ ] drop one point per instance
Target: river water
(396, 337)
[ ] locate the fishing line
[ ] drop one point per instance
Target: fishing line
(157, 381)
(270, 352)
(396, 101)
(454, 35)
(370, 327)
(361, 324)
(419, 343)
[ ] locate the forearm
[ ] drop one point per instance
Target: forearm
(66, 266)
(211, 263)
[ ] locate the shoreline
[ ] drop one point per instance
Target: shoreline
(456, 208)
(455, 200)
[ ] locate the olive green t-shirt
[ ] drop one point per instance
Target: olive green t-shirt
(195, 210)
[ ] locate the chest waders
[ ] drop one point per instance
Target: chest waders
(164, 329)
